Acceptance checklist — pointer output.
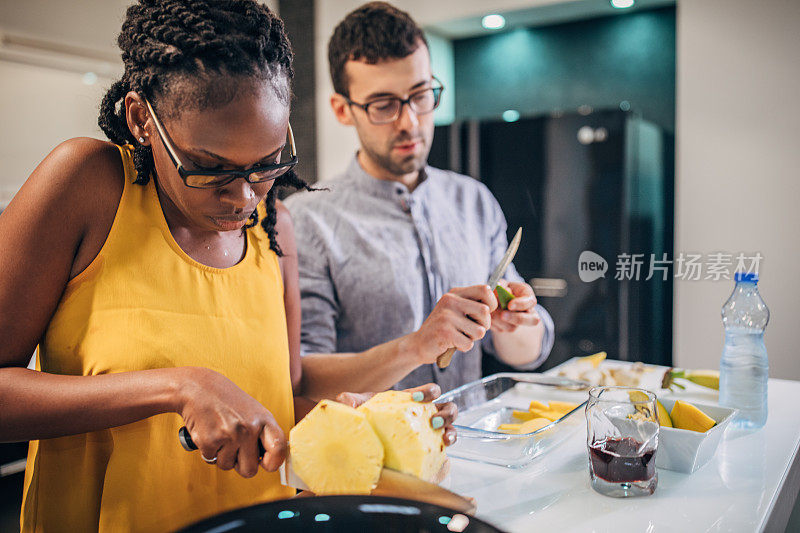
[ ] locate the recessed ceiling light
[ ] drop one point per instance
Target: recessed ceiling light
(511, 115)
(622, 4)
(493, 22)
(90, 78)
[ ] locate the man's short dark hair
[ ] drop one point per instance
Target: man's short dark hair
(374, 32)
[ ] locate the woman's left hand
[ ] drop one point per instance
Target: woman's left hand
(445, 412)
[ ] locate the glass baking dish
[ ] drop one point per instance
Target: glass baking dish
(485, 404)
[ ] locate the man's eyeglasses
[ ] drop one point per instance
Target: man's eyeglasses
(201, 178)
(388, 109)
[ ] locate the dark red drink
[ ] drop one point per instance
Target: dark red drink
(621, 461)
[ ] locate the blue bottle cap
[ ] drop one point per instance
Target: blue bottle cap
(746, 276)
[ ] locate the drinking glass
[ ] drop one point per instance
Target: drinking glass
(622, 437)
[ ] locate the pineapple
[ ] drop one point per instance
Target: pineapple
(403, 425)
(335, 450)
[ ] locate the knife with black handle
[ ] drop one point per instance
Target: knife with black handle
(189, 445)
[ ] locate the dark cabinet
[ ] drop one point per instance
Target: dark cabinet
(601, 182)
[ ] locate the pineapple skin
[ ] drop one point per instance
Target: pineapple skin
(410, 444)
(335, 450)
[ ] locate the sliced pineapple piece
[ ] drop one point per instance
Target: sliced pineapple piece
(523, 415)
(526, 427)
(547, 413)
(509, 428)
(595, 359)
(334, 450)
(404, 427)
(563, 407)
(534, 425)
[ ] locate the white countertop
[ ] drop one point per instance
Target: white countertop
(747, 486)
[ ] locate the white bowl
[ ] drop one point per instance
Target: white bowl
(685, 451)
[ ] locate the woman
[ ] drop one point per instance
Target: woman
(155, 294)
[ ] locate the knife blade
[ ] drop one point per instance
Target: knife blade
(444, 360)
(511, 251)
(398, 485)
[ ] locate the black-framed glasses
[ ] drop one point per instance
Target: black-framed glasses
(201, 178)
(388, 108)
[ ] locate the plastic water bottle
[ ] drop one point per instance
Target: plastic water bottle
(744, 368)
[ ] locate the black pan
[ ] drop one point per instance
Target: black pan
(361, 514)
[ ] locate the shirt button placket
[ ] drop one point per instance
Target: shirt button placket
(412, 207)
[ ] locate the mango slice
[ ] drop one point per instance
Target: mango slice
(687, 416)
(643, 409)
(664, 419)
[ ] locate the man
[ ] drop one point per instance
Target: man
(395, 249)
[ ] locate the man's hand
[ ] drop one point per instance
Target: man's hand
(521, 310)
(461, 317)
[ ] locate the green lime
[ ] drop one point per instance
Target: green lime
(503, 296)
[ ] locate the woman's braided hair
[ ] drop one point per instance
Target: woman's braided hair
(193, 51)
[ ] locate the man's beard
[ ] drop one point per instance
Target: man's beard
(406, 165)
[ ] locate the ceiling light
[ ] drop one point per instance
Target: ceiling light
(622, 4)
(493, 22)
(90, 78)
(511, 115)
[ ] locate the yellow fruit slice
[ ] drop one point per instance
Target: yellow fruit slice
(526, 427)
(563, 407)
(595, 359)
(546, 413)
(335, 450)
(663, 415)
(538, 405)
(705, 378)
(533, 425)
(687, 416)
(644, 408)
(410, 444)
(523, 415)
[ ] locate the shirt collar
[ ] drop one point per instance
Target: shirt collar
(384, 188)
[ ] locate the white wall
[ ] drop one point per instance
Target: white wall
(41, 107)
(738, 163)
(44, 98)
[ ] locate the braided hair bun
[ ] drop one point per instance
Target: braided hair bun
(192, 52)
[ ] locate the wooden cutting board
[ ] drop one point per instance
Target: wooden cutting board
(397, 485)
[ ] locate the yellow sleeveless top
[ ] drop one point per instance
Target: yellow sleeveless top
(144, 303)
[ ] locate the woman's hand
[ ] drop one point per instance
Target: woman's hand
(444, 417)
(226, 424)
(521, 310)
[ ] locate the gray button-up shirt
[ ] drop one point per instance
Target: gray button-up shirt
(374, 259)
